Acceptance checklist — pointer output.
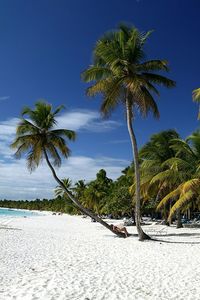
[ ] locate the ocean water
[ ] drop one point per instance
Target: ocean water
(12, 213)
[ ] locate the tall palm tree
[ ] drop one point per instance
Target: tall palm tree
(37, 138)
(122, 76)
(196, 98)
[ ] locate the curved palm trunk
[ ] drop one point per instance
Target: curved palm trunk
(141, 234)
(76, 202)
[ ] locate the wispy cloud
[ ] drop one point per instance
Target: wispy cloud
(2, 98)
(8, 127)
(86, 120)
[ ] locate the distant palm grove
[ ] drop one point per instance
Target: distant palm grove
(164, 178)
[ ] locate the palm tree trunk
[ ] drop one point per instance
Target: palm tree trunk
(76, 202)
(179, 223)
(141, 234)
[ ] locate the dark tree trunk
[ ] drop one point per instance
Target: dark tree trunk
(179, 223)
(165, 215)
(133, 216)
(141, 234)
(76, 202)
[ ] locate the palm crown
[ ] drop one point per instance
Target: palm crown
(37, 135)
(119, 71)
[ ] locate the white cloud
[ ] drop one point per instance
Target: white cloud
(85, 120)
(8, 127)
(2, 98)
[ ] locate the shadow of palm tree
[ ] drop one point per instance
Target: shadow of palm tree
(9, 228)
(172, 242)
(179, 234)
(129, 235)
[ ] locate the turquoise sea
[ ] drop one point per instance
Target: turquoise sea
(7, 212)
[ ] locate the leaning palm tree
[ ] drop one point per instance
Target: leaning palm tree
(121, 75)
(37, 138)
(196, 98)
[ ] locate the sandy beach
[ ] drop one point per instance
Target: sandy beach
(64, 257)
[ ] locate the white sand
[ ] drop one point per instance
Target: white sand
(68, 258)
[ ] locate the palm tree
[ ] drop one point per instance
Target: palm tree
(186, 166)
(67, 182)
(37, 138)
(59, 192)
(79, 188)
(153, 156)
(196, 98)
(94, 195)
(121, 75)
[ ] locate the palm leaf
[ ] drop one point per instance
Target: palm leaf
(159, 79)
(180, 203)
(168, 197)
(153, 65)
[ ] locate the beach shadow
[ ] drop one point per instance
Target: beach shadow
(9, 228)
(115, 236)
(180, 234)
(160, 240)
(173, 242)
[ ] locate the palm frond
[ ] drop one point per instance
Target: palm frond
(178, 162)
(196, 95)
(162, 176)
(25, 126)
(159, 79)
(58, 109)
(184, 198)
(192, 184)
(94, 73)
(146, 103)
(55, 157)
(153, 65)
(70, 134)
(172, 195)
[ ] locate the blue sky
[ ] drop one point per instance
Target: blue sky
(46, 44)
